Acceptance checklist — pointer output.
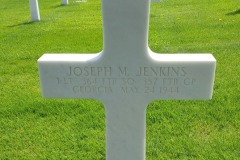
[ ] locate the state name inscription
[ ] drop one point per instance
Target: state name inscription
(143, 79)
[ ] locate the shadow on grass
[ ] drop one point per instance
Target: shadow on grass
(57, 6)
(233, 13)
(22, 24)
(60, 5)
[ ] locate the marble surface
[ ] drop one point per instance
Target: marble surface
(64, 2)
(34, 9)
(126, 76)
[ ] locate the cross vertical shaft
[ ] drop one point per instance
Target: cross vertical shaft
(64, 2)
(126, 129)
(125, 28)
(34, 9)
(125, 33)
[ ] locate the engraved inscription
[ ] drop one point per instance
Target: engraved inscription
(90, 71)
(92, 89)
(107, 80)
(162, 71)
(123, 71)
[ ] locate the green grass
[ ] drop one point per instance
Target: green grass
(35, 128)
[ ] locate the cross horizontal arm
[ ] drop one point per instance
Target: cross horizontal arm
(164, 76)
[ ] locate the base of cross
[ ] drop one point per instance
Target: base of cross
(34, 9)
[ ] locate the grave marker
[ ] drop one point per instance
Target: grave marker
(34, 9)
(126, 76)
(64, 2)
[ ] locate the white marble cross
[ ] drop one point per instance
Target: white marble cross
(34, 10)
(126, 76)
(64, 2)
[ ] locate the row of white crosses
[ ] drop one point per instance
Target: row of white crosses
(34, 9)
(126, 76)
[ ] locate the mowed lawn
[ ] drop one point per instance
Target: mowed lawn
(35, 128)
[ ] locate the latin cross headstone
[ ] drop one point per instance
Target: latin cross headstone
(64, 2)
(126, 76)
(34, 9)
